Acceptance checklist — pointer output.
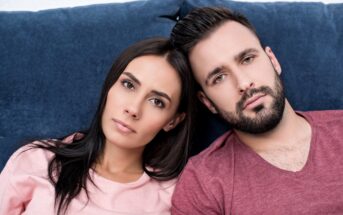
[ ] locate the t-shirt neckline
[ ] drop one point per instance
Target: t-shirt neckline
(309, 160)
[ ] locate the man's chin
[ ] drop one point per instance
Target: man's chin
(257, 122)
(256, 112)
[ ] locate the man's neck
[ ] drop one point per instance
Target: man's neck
(287, 145)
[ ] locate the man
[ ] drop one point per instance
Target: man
(275, 160)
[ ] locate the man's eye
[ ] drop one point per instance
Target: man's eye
(248, 60)
(128, 84)
(219, 78)
(157, 102)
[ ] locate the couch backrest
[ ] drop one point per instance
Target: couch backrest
(53, 62)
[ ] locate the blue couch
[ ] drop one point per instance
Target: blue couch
(53, 62)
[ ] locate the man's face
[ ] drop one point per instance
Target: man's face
(240, 80)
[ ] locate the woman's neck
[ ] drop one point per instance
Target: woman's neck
(120, 164)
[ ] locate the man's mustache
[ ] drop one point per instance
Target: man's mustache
(250, 93)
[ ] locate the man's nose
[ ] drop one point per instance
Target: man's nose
(244, 82)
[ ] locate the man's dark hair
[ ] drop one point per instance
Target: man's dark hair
(200, 23)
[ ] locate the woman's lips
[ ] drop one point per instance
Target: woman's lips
(123, 127)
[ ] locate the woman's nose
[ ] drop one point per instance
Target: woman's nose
(133, 109)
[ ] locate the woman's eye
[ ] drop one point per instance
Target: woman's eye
(248, 60)
(157, 102)
(218, 78)
(128, 84)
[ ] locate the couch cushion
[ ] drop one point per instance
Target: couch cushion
(53, 63)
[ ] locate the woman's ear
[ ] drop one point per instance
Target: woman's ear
(174, 122)
(203, 98)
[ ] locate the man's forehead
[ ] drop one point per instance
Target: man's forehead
(228, 33)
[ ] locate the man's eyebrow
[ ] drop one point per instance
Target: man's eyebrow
(212, 73)
(130, 75)
(243, 53)
(162, 94)
(237, 58)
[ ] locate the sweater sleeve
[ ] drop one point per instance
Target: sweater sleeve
(12, 199)
(192, 196)
(18, 179)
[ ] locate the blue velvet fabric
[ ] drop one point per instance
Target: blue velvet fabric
(53, 62)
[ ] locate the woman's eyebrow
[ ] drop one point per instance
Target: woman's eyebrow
(162, 94)
(159, 93)
(130, 75)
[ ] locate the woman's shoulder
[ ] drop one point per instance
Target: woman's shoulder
(35, 155)
(164, 188)
(73, 137)
(29, 158)
(159, 183)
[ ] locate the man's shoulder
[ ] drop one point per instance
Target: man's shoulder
(207, 180)
(325, 116)
(220, 150)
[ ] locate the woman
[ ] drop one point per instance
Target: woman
(127, 161)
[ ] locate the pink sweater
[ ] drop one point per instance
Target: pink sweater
(25, 189)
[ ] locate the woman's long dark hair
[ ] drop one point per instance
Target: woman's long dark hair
(166, 154)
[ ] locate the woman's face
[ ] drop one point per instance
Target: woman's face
(143, 101)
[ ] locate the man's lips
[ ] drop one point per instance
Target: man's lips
(252, 100)
(123, 126)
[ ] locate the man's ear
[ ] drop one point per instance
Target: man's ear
(203, 98)
(179, 117)
(273, 59)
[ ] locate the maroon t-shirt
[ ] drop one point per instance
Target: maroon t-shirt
(230, 178)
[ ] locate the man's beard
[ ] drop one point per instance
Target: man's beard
(265, 118)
